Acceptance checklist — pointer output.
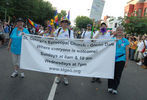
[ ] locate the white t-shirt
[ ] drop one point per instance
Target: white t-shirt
(105, 36)
(86, 35)
(141, 45)
(64, 34)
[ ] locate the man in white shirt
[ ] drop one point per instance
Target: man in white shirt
(64, 33)
(87, 34)
(102, 34)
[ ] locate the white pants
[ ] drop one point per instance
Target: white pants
(140, 55)
(16, 60)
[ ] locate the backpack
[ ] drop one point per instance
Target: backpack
(84, 35)
(69, 32)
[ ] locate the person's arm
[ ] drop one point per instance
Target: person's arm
(9, 44)
(8, 21)
(127, 55)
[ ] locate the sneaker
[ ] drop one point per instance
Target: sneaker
(114, 92)
(140, 63)
(66, 81)
(22, 75)
(57, 80)
(14, 74)
(110, 90)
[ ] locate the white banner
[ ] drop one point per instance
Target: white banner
(68, 57)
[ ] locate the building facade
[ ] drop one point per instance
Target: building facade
(136, 8)
(112, 22)
(97, 9)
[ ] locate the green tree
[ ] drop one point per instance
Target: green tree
(37, 10)
(135, 25)
(61, 14)
(82, 21)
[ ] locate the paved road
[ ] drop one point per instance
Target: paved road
(37, 86)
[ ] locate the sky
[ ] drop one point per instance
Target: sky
(81, 7)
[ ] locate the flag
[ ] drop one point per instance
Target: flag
(56, 18)
(52, 22)
(68, 16)
(32, 23)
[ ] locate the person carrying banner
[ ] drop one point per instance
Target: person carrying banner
(87, 34)
(121, 60)
(102, 34)
(64, 33)
(15, 45)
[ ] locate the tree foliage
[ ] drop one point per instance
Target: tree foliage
(82, 21)
(62, 14)
(37, 10)
(135, 25)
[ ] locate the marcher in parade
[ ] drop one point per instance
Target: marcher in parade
(121, 60)
(49, 32)
(87, 34)
(64, 33)
(102, 34)
(15, 45)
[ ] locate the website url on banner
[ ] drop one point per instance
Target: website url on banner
(65, 70)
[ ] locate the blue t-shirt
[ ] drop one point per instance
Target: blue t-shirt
(121, 49)
(16, 40)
